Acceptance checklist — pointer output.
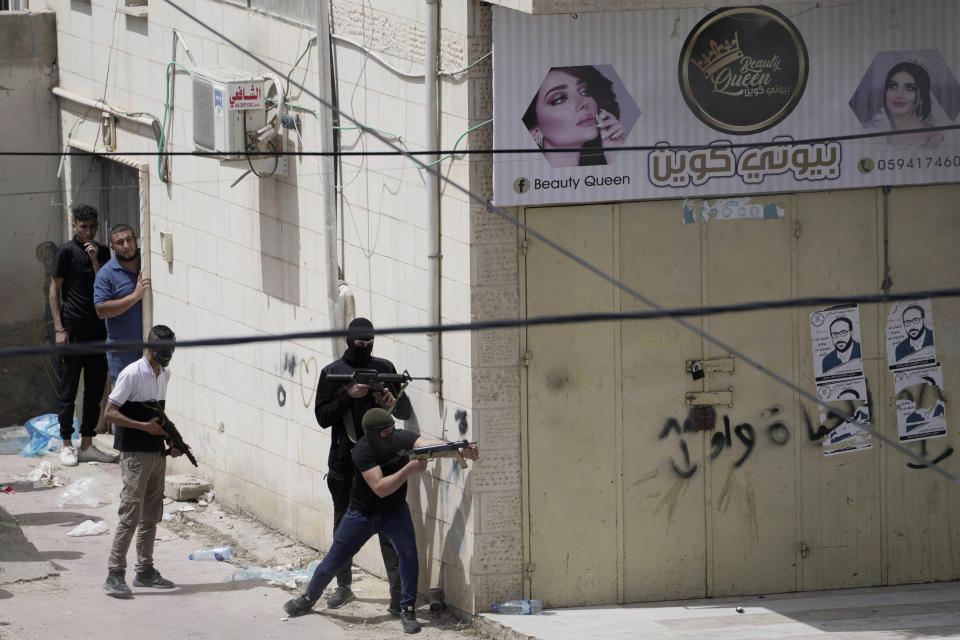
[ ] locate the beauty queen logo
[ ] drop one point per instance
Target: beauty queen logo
(743, 70)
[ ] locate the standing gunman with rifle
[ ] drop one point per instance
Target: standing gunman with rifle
(141, 440)
(347, 389)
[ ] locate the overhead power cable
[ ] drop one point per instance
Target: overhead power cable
(507, 323)
(584, 263)
(397, 151)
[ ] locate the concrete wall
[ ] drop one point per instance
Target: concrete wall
(31, 208)
(249, 259)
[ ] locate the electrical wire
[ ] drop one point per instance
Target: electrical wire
(506, 323)
(591, 267)
(520, 150)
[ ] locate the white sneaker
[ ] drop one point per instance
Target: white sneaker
(92, 454)
(68, 456)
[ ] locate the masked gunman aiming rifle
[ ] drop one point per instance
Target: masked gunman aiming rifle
(378, 504)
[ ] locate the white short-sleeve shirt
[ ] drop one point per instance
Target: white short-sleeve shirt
(138, 383)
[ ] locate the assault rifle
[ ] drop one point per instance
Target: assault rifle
(173, 435)
(445, 450)
(372, 378)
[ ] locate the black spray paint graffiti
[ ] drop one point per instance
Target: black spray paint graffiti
(281, 395)
(777, 432)
(461, 418)
(925, 395)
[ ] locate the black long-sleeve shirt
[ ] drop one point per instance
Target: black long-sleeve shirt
(333, 403)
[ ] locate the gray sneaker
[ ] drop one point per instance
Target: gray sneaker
(340, 597)
(92, 454)
(116, 586)
(409, 621)
(298, 606)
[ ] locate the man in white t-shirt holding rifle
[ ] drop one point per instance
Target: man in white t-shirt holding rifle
(141, 442)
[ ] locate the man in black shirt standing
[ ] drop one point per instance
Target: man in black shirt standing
(75, 320)
(378, 504)
(341, 406)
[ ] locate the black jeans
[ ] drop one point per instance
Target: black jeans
(93, 367)
(340, 485)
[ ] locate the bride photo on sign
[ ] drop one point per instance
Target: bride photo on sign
(907, 91)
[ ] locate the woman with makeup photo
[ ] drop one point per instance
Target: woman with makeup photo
(575, 109)
(906, 100)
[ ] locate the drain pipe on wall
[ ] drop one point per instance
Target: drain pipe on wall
(146, 260)
(433, 193)
(327, 173)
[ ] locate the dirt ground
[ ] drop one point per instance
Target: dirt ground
(362, 618)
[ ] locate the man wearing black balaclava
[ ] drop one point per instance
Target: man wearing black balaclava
(340, 407)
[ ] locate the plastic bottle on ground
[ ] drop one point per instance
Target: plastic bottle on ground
(217, 553)
(519, 607)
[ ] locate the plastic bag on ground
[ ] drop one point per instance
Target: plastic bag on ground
(288, 577)
(13, 439)
(89, 528)
(83, 492)
(44, 434)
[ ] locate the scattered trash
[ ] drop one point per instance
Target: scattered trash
(284, 575)
(202, 502)
(89, 528)
(6, 489)
(13, 439)
(45, 435)
(185, 507)
(208, 497)
(83, 492)
(219, 554)
(41, 476)
(521, 607)
(739, 609)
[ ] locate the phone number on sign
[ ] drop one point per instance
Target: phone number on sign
(925, 162)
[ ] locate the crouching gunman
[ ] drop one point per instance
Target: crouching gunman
(378, 504)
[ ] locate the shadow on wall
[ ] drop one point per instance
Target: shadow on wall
(280, 238)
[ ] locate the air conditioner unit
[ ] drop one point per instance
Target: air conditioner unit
(229, 106)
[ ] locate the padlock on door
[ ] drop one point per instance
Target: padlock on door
(696, 370)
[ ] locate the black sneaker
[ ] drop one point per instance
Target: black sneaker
(394, 608)
(409, 620)
(340, 597)
(116, 586)
(152, 578)
(298, 606)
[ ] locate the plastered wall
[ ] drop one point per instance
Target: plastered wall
(249, 259)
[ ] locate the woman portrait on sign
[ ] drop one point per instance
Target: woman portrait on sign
(575, 109)
(907, 103)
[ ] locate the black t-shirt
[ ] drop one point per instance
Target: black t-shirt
(362, 497)
(73, 264)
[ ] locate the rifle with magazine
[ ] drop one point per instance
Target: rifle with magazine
(372, 378)
(151, 409)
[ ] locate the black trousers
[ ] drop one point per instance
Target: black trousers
(340, 485)
(93, 368)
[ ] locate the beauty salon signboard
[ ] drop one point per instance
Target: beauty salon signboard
(720, 99)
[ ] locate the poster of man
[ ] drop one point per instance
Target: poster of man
(910, 335)
(835, 336)
(846, 434)
(921, 410)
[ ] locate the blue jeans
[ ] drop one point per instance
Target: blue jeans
(354, 530)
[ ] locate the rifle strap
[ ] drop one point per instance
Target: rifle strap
(350, 426)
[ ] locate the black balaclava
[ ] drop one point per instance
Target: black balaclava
(359, 329)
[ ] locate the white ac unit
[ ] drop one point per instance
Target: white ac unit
(229, 106)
